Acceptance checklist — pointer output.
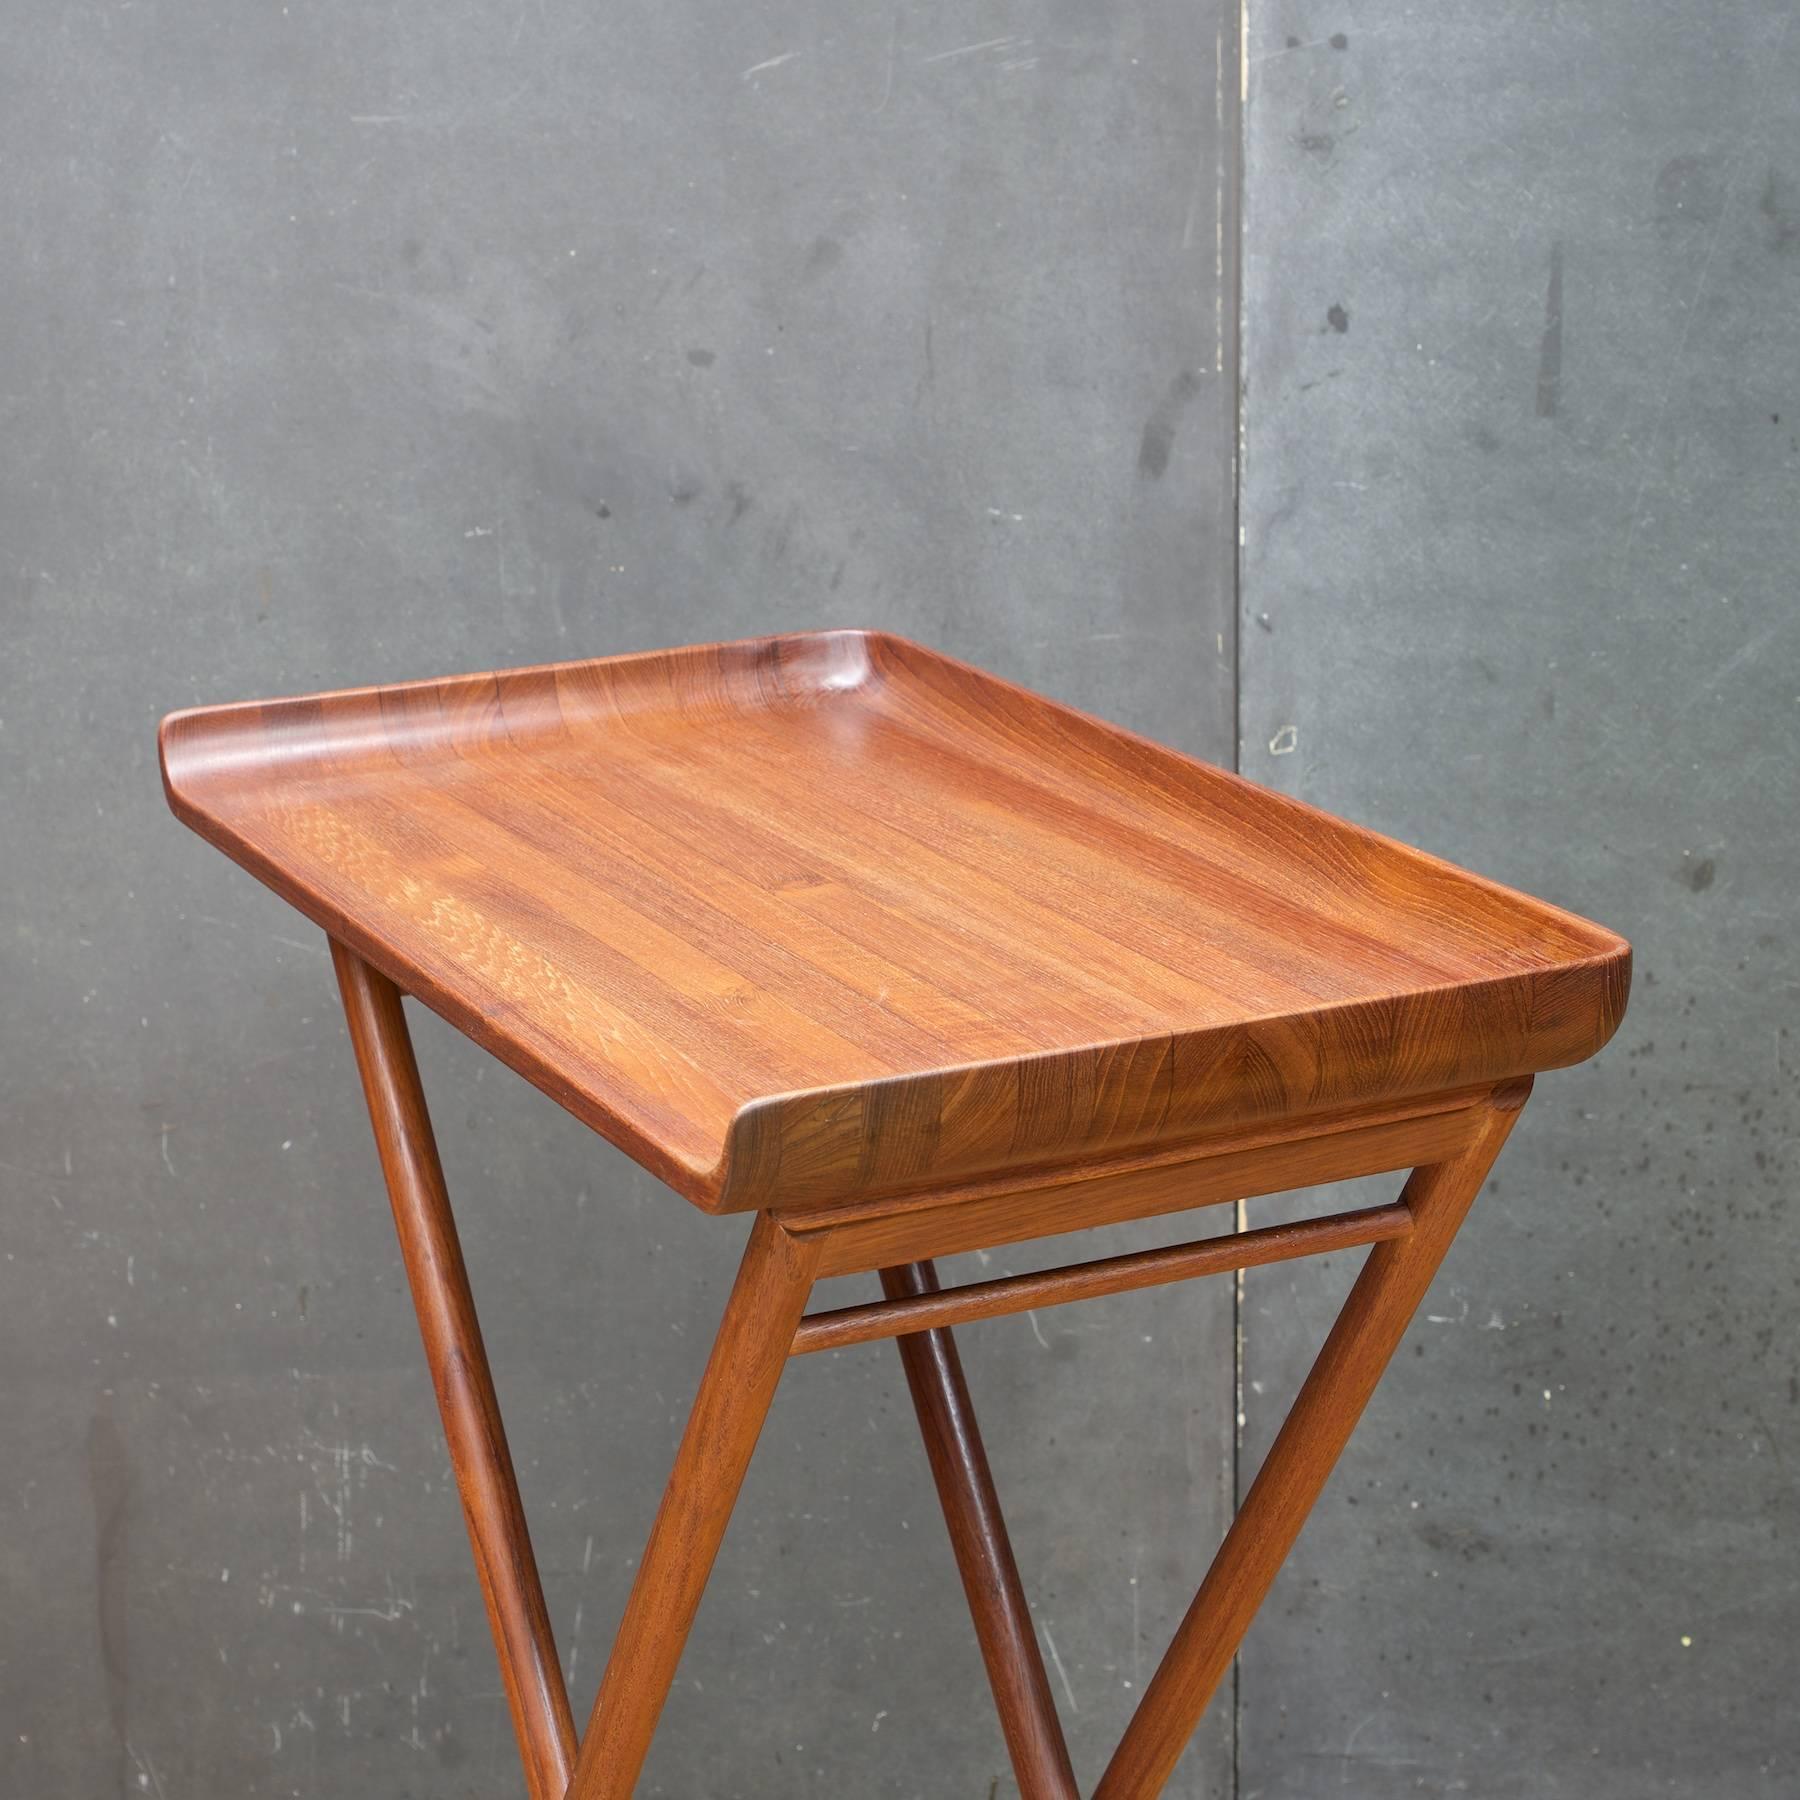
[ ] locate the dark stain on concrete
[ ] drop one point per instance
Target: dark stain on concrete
(1456, 1540)
(1780, 209)
(1159, 429)
(1338, 319)
(826, 253)
(1550, 351)
(1689, 191)
(109, 1486)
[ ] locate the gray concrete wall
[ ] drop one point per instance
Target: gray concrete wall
(350, 343)
(1523, 395)
(344, 342)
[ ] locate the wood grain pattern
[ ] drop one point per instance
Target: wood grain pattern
(910, 961)
(804, 919)
(877, 1233)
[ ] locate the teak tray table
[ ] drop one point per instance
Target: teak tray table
(903, 960)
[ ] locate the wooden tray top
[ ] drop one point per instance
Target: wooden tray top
(810, 918)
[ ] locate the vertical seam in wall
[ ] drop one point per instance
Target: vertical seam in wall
(1240, 163)
(1239, 184)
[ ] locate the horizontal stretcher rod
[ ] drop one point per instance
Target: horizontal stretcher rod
(1108, 1275)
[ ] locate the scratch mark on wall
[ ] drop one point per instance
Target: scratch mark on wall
(1456, 1318)
(1745, 656)
(574, 1645)
(1219, 201)
(1062, 1674)
(774, 62)
(887, 90)
(147, 1775)
(1000, 43)
(1137, 1624)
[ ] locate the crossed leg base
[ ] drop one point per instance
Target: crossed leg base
(765, 1322)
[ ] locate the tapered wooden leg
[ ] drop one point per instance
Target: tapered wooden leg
(754, 1340)
(459, 1371)
(740, 1380)
(1368, 1330)
(984, 1555)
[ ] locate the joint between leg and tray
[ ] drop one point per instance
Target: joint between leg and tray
(875, 1234)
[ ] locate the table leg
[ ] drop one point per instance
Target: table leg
(459, 1371)
(741, 1375)
(1387, 1293)
(990, 1577)
(748, 1356)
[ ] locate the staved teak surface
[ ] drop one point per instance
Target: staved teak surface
(804, 918)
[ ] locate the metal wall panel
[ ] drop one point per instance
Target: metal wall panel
(1522, 409)
(346, 342)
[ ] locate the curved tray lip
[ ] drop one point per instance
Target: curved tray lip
(198, 744)
(193, 742)
(201, 743)
(1609, 946)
